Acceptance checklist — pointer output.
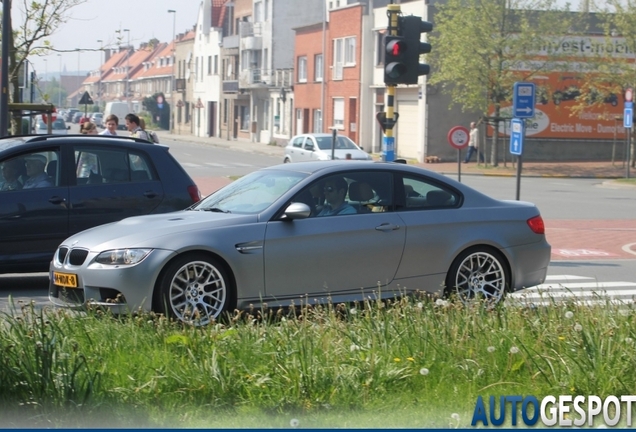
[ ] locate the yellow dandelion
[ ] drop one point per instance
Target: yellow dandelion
(411, 359)
(397, 359)
(561, 337)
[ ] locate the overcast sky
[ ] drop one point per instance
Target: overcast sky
(99, 19)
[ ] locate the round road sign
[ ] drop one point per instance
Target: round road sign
(629, 94)
(458, 137)
(53, 116)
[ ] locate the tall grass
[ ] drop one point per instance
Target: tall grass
(411, 362)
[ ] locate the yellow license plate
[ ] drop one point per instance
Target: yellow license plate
(65, 279)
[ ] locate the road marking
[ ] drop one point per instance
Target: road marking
(579, 293)
(218, 165)
(238, 164)
(628, 248)
(188, 164)
(582, 253)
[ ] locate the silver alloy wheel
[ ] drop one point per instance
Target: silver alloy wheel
(480, 275)
(198, 293)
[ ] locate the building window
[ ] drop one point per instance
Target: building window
(209, 65)
(216, 65)
(337, 59)
(350, 51)
(317, 121)
(302, 69)
(338, 113)
(344, 50)
(318, 67)
(245, 117)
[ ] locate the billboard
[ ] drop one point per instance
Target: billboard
(599, 114)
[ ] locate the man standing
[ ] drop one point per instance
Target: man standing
(132, 123)
(473, 144)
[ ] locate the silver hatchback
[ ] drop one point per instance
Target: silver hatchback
(321, 146)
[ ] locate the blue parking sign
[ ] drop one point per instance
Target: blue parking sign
(628, 117)
(516, 136)
(523, 100)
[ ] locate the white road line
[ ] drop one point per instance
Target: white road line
(238, 164)
(218, 165)
(565, 277)
(628, 248)
(575, 293)
(188, 164)
(581, 285)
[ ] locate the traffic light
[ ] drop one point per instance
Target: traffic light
(412, 27)
(394, 59)
(402, 51)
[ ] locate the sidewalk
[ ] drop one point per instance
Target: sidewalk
(600, 170)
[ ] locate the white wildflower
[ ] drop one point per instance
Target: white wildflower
(294, 423)
(424, 371)
(569, 314)
(491, 349)
(514, 350)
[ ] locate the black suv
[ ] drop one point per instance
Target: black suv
(54, 186)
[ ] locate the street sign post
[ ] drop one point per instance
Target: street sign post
(628, 122)
(516, 147)
(458, 137)
(523, 100)
(516, 137)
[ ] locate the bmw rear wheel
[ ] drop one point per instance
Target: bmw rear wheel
(478, 274)
(195, 289)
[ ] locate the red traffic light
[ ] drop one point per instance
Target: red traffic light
(396, 47)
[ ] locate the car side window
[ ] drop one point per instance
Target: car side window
(348, 193)
(139, 167)
(309, 144)
(421, 194)
(298, 142)
(108, 165)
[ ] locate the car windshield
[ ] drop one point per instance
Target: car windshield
(57, 125)
(342, 142)
(250, 194)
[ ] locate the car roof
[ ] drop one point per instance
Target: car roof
(26, 142)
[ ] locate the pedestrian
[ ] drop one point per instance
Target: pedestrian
(88, 128)
(133, 126)
(112, 121)
(473, 144)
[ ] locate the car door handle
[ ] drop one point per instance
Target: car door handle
(387, 227)
(57, 200)
(150, 194)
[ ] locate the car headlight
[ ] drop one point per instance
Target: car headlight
(122, 256)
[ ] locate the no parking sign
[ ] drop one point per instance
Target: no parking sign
(458, 137)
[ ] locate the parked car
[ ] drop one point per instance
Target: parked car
(83, 120)
(69, 114)
(97, 118)
(58, 127)
(84, 181)
(77, 116)
(317, 146)
(261, 240)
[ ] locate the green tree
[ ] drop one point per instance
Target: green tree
(616, 72)
(481, 47)
(41, 18)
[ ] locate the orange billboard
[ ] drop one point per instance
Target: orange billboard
(599, 115)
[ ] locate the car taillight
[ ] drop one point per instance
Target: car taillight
(195, 193)
(536, 225)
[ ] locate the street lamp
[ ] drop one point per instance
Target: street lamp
(59, 90)
(172, 81)
(127, 87)
(99, 79)
(46, 71)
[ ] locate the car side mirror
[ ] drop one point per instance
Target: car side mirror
(68, 128)
(297, 210)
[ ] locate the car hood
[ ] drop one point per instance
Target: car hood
(147, 231)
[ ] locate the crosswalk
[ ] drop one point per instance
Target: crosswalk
(580, 290)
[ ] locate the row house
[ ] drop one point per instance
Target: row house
(257, 63)
(184, 83)
(98, 83)
(156, 74)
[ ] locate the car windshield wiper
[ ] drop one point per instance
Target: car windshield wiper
(216, 210)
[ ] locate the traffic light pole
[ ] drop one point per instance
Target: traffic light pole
(388, 144)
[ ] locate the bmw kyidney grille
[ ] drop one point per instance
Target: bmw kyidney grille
(61, 254)
(77, 256)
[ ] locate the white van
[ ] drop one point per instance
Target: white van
(120, 109)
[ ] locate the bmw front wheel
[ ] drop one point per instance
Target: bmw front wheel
(478, 274)
(194, 289)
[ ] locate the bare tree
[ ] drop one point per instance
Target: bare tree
(42, 18)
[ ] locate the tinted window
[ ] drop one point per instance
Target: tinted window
(342, 142)
(420, 193)
(30, 170)
(100, 165)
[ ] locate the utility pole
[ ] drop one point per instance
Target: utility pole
(4, 93)
(173, 103)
